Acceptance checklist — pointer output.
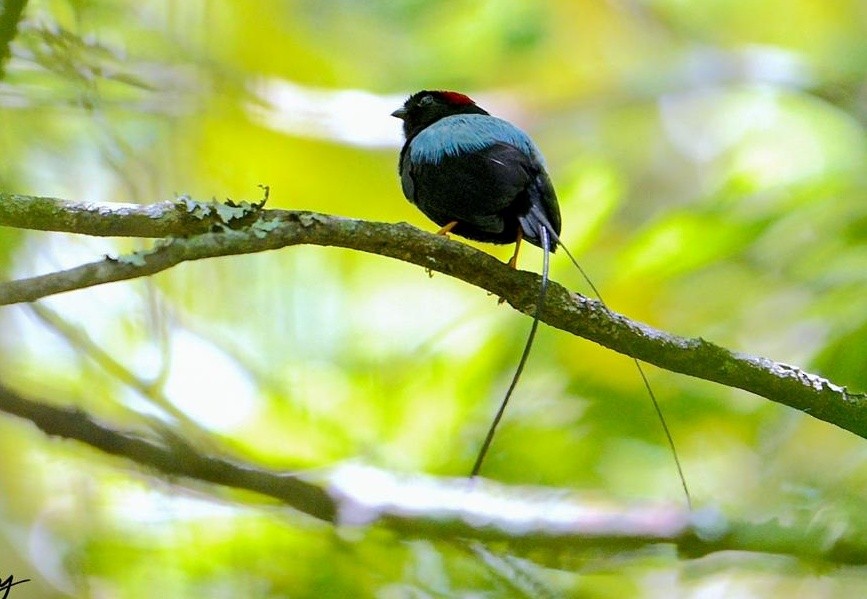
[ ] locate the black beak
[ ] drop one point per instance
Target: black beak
(399, 113)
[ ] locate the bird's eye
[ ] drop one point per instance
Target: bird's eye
(426, 101)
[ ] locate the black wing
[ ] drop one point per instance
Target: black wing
(489, 192)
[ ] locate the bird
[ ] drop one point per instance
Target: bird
(475, 175)
(482, 178)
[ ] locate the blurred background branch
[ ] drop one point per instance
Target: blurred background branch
(525, 519)
(151, 391)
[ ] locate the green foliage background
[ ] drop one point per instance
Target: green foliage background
(710, 161)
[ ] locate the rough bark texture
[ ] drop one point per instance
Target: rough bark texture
(221, 230)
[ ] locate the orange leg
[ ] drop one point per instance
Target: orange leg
(513, 261)
(445, 230)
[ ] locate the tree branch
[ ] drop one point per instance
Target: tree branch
(177, 218)
(422, 506)
(247, 229)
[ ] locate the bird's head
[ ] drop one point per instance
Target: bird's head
(426, 107)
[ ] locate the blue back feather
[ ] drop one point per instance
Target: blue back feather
(467, 133)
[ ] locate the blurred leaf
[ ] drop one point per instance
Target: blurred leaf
(680, 243)
(843, 360)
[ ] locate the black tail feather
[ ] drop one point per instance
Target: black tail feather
(543, 290)
(536, 224)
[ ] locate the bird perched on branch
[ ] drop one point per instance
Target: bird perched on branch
(475, 175)
(482, 178)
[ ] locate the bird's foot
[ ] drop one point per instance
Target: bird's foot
(447, 229)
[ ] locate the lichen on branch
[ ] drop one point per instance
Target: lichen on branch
(201, 231)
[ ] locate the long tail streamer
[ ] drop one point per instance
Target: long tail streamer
(543, 289)
(644, 379)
